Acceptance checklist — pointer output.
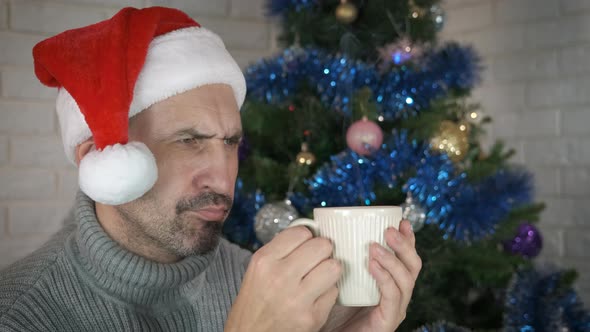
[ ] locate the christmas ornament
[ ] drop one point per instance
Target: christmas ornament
(273, 218)
(527, 242)
(400, 52)
(438, 16)
(305, 158)
(415, 10)
(464, 126)
(414, 213)
(451, 140)
(475, 117)
(346, 12)
(364, 137)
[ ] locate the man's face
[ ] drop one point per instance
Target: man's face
(194, 137)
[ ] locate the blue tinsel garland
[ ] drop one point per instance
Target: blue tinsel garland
(239, 225)
(280, 7)
(464, 211)
(534, 303)
(441, 327)
(399, 92)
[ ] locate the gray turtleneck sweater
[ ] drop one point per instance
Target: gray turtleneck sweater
(81, 280)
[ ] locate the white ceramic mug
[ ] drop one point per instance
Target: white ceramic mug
(352, 230)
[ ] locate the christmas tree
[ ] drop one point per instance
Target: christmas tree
(366, 107)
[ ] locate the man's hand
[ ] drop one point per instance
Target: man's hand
(396, 275)
(290, 285)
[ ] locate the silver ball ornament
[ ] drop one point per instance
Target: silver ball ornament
(438, 15)
(414, 213)
(273, 218)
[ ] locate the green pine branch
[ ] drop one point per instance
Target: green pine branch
(379, 22)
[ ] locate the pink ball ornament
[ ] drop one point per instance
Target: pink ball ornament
(364, 137)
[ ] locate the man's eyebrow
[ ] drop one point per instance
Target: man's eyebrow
(194, 133)
(237, 135)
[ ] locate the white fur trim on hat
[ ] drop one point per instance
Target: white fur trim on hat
(118, 174)
(184, 59)
(176, 62)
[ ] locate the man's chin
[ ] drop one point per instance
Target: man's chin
(203, 240)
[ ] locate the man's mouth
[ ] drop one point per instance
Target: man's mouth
(211, 213)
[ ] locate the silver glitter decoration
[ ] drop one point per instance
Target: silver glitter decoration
(414, 213)
(273, 218)
(438, 15)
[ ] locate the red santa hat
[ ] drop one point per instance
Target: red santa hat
(112, 70)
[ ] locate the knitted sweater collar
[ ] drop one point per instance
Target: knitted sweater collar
(126, 276)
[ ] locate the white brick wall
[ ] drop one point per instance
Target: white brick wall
(574, 6)
(3, 15)
(217, 8)
(37, 184)
(27, 118)
(19, 83)
(509, 11)
(50, 18)
(471, 17)
(574, 122)
(20, 44)
(3, 153)
(537, 89)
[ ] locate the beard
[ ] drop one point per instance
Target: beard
(182, 234)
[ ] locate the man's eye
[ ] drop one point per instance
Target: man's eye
(231, 141)
(191, 140)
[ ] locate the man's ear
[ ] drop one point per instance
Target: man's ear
(82, 149)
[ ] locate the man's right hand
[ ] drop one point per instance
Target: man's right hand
(290, 285)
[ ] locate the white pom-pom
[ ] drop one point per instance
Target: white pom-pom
(118, 174)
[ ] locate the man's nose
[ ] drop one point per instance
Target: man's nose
(217, 176)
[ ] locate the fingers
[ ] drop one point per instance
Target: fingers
(406, 229)
(307, 256)
(390, 292)
(403, 244)
(321, 278)
(285, 242)
(396, 273)
(325, 303)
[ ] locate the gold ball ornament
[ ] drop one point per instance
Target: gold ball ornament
(416, 11)
(305, 158)
(346, 12)
(452, 139)
(464, 126)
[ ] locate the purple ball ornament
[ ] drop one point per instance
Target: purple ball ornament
(364, 137)
(527, 242)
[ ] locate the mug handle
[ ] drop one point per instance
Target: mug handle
(309, 223)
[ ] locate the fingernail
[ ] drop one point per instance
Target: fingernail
(410, 225)
(395, 233)
(380, 250)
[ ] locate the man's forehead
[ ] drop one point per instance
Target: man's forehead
(171, 122)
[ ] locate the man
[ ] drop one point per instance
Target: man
(149, 104)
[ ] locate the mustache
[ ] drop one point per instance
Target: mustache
(203, 200)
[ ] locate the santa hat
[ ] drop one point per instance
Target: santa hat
(112, 70)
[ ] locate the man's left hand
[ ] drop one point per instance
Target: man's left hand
(396, 276)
